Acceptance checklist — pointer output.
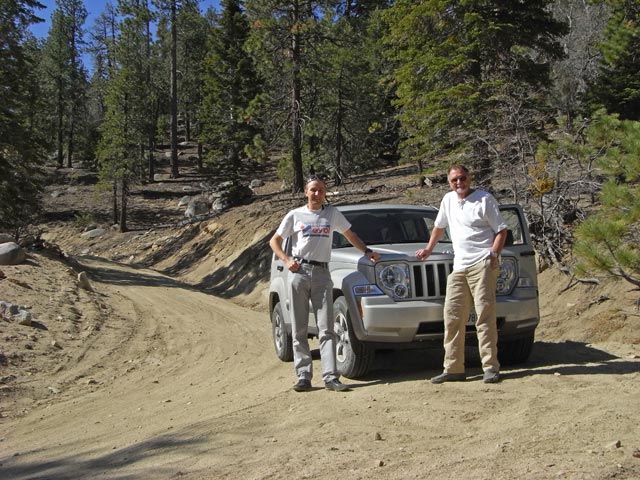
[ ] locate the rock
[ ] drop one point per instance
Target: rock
(95, 233)
(377, 436)
(196, 207)
(11, 254)
(614, 445)
(219, 205)
(257, 183)
(6, 238)
(23, 318)
(184, 201)
(7, 379)
(83, 282)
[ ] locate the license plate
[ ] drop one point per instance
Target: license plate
(473, 318)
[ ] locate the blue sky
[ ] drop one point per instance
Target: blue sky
(94, 8)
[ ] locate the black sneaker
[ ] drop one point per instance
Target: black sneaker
(449, 377)
(336, 385)
(491, 376)
(302, 385)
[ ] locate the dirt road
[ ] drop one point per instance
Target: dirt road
(181, 384)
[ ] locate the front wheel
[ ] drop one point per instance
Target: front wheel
(353, 357)
(281, 339)
(513, 352)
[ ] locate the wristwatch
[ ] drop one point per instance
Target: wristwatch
(367, 250)
(494, 254)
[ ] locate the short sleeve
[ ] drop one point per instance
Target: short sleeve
(340, 222)
(286, 226)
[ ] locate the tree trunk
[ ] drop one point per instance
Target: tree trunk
(296, 126)
(123, 203)
(60, 133)
(338, 171)
(70, 138)
(174, 92)
(116, 213)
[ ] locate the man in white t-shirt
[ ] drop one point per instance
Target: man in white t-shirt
(478, 233)
(311, 228)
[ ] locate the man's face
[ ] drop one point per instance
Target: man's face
(460, 182)
(315, 191)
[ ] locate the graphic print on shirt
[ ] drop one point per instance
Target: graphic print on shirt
(315, 230)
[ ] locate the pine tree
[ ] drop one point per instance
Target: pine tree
(283, 35)
(618, 85)
(67, 75)
(471, 76)
(352, 117)
(607, 242)
(21, 150)
(129, 104)
(229, 94)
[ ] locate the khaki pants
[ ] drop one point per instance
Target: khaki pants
(473, 286)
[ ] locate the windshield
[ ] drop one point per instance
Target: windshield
(387, 226)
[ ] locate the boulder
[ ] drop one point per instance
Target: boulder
(95, 233)
(11, 254)
(196, 207)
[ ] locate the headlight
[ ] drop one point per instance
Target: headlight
(508, 276)
(394, 280)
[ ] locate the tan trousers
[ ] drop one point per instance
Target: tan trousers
(473, 286)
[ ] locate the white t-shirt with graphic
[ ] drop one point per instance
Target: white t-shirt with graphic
(473, 223)
(312, 231)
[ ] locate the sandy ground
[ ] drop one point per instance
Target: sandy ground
(174, 383)
(147, 377)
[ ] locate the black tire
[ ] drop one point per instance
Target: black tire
(281, 338)
(353, 358)
(512, 352)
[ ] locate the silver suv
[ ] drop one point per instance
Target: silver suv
(398, 301)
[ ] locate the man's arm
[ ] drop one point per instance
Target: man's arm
(436, 235)
(497, 246)
(357, 242)
(499, 241)
(276, 245)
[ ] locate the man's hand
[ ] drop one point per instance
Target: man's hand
(423, 253)
(293, 265)
(373, 256)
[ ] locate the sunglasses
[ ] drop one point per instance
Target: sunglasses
(462, 178)
(314, 178)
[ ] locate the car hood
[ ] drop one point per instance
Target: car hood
(389, 252)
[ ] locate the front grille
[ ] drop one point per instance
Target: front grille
(429, 280)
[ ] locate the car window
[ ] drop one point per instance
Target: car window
(512, 219)
(377, 227)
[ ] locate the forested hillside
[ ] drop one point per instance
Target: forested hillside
(540, 98)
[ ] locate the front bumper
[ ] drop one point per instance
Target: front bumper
(382, 320)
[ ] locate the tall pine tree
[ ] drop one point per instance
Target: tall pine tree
(471, 76)
(20, 150)
(231, 85)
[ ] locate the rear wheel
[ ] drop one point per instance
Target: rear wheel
(353, 357)
(512, 352)
(281, 339)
